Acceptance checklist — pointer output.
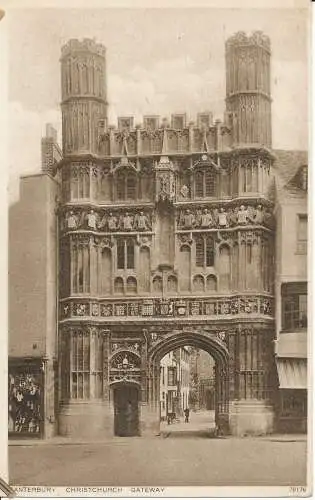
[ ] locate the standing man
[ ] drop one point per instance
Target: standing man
(186, 412)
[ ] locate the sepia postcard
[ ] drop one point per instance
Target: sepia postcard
(158, 249)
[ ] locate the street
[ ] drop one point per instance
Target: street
(184, 455)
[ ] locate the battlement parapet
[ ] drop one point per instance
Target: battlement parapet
(178, 121)
(86, 45)
(257, 38)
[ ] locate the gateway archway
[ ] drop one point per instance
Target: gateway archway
(202, 340)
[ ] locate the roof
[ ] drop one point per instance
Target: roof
(287, 163)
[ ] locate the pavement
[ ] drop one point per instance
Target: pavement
(201, 424)
(183, 455)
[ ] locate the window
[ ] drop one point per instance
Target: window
(294, 306)
(204, 251)
(204, 183)
(171, 376)
(198, 283)
(80, 183)
(80, 388)
(119, 286)
(131, 285)
(211, 283)
(200, 257)
(302, 234)
(249, 177)
(121, 255)
(125, 254)
(157, 284)
(171, 284)
(126, 185)
(81, 268)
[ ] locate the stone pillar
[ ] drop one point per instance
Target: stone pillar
(149, 411)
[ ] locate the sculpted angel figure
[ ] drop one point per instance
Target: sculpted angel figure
(222, 218)
(112, 222)
(188, 219)
(142, 222)
(206, 218)
(242, 215)
(91, 219)
(127, 222)
(72, 221)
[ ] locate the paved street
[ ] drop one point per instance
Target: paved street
(184, 454)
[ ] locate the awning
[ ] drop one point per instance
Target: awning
(292, 373)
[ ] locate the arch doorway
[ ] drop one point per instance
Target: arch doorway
(126, 409)
(210, 343)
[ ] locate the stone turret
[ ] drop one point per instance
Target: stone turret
(248, 100)
(84, 95)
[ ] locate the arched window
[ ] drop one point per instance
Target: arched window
(200, 252)
(172, 284)
(119, 286)
(198, 283)
(131, 183)
(211, 283)
(126, 185)
(205, 183)
(225, 267)
(125, 254)
(131, 285)
(204, 251)
(209, 182)
(209, 246)
(199, 184)
(157, 284)
(81, 269)
(80, 183)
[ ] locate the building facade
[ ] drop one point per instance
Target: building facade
(174, 383)
(165, 237)
(291, 296)
(202, 376)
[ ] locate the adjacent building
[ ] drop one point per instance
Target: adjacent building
(291, 209)
(202, 380)
(174, 383)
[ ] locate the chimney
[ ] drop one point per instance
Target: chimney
(50, 151)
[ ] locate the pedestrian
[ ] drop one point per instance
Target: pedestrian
(186, 412)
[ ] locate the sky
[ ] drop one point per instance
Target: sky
(159, 61)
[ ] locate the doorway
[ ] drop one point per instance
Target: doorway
(126, 413)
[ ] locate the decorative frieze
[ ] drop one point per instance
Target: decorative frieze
(220, 217)
(111, 220)
(168, 308)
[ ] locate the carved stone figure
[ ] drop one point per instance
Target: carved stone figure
(242, 215)
(127, 222)
(112, 222)
(91, 219)
(268, 219)
(258, 215)
(184, 191)
(232, 216)
(222, 218)
(206, 219)
(143, 222)
(188, 219)
(72, 221)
